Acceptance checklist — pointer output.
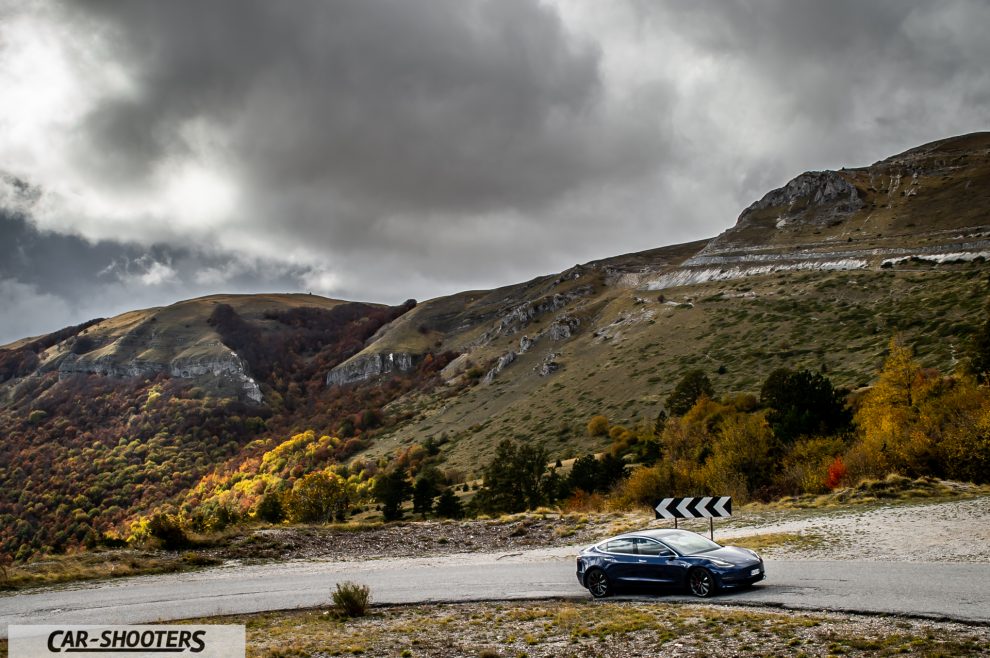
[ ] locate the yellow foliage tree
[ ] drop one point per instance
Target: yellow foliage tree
(889, 414)
(598, 426)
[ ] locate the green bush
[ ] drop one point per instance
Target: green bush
(351, 599)
(167, 529)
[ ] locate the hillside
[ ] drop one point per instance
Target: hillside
(109, 419)
(113, 417)
(818, 274)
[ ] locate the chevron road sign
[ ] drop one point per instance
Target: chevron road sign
(694, 508)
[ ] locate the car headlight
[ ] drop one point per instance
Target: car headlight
(721, 563)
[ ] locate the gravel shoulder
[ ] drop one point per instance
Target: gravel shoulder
(952, 531)
(614, 629)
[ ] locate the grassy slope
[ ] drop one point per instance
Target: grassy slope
(842, 320)
(631, 349)
(179, 330)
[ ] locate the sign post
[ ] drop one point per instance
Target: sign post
(695, 508)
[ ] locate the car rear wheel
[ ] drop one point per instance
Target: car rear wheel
(598, 583)
(701, 582)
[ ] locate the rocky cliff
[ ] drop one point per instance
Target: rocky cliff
(368, 366)
(926, 203)
(179, 341)
(223, 365)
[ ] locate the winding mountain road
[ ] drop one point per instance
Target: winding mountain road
(958, 591)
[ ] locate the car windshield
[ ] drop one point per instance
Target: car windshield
(688, 543)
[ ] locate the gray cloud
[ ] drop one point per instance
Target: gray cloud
(452, 107)
(48, 280)
(384, 149)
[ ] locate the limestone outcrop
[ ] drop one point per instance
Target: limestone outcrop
(563, 327)
(368, 366)
(825, 190)
(223, 364)
(500, 365)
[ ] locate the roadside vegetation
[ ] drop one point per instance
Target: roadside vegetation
(801, 443)
(585, 628)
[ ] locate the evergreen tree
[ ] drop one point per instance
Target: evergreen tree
(585, 474)
(424, 491)
(515, 479)
(803, 403)
(590, 474)
(979, 350)
(448, 505)
(611, 469)
(693, 385)
(391, 490)
(270, 508)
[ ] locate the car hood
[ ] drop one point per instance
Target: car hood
(737, 556)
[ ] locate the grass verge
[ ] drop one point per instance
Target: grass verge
(787, 540)
(100, 565)
(611, 628)
(893, 488)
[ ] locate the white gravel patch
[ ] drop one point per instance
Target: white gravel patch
(955, 531)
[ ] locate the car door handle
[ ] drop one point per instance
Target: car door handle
(642, 561)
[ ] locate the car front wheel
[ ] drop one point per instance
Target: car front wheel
(701, 582)
(598, 583)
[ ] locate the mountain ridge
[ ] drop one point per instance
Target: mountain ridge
(818, 274)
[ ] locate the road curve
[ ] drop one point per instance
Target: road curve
(951, 591)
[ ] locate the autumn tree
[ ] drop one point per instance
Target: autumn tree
(167, 530)
(5, 562)
(598, 426)
(318, 497)
(888, 415)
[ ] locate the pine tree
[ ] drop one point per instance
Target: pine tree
(448, 505)
(693, 385)
(391, 490)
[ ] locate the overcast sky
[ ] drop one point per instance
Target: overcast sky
(380, 150)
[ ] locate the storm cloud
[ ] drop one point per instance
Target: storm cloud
(383, 149)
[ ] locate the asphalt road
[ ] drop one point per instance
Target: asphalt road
(958, 591)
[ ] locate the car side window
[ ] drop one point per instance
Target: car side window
(650, 547)
(624, 546)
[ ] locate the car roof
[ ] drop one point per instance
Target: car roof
(652, 533)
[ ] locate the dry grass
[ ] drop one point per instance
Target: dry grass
(614, 628)
(785, 540)
(893, 488)
(101, 565)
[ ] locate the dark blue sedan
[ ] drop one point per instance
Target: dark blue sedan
(675, 558)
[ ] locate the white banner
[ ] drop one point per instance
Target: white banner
(201, 641)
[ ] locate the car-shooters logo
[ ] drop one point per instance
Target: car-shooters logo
(211, 641)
